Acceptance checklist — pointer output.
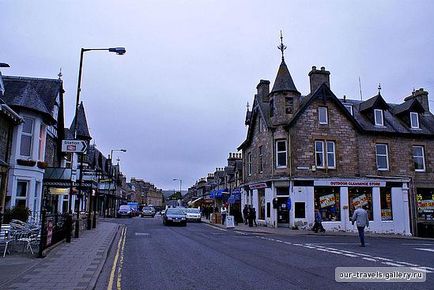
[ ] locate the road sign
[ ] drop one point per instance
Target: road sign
(74, 175)
(76, 146)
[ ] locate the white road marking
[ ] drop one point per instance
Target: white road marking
(142, 234)
(425, 249)
(408, 264)
(418, 244)
(364, 255)
(422, 270)
(383, 259)
(350, 255)
(392, 264)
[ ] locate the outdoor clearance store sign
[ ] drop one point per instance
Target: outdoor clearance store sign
(350, 183)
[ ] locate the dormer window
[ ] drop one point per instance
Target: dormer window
(378, 117)
(322, 115)
(414, 120)
(349, 108)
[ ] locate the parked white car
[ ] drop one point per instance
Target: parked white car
(193, 214)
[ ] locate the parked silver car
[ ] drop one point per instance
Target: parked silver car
(148, 211)
(193, 214)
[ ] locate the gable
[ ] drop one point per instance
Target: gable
(324, 94)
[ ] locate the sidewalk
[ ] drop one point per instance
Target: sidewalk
(289, 232)
(68, 266)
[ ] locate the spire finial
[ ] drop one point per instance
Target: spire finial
(248, 106)
(282, 47)
(379, 88)
(60, 74)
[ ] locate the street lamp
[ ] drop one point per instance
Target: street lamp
(111, 166)
(118, 51)
(116, 150)
(180, 184)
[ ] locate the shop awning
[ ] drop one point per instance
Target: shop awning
(235, 196)
(196, 200)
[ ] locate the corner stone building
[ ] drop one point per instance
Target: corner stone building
(316, 151)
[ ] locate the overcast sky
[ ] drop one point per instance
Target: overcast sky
(176, 100)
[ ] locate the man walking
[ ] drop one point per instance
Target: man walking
(245, 214)
(360, 216)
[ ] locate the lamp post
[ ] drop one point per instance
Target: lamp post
(180, 186)
(111, 165)
(118, 51)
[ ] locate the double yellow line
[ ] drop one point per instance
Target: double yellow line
(119, 253)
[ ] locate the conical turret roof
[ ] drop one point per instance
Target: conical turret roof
(82, 127)
(284, 82)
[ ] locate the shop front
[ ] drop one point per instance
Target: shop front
(336, 200)
(425, 212)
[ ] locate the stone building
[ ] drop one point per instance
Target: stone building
(146, 193)
(315, 151)
(36, 141)
(9, 119)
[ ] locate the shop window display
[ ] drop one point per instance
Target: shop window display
(360, 196)
(261, 203)
(425, 204)
(327, 201)
(386, 203)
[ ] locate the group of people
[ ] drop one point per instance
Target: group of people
(249, 215)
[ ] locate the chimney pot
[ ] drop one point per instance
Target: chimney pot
(318, 77)
(263, 90)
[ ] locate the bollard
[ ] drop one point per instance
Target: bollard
(68, 228)
(43, 239)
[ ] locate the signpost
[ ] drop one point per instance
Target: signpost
(75, 146)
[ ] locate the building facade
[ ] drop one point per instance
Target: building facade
(39, 102)
(319, 152)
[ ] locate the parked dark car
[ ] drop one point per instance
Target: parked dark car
(148, 211)
(174, 216)
(124, 210)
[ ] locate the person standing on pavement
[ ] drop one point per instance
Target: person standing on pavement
(224, 212)
(253, 212)
(318, 222)
(245, 214)
(360, 217)
(250, 215)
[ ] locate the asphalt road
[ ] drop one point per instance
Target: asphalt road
(200, 256)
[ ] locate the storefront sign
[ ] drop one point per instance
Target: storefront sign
(229, 221)
(59, 191)
(347, 183)
(258, 185)
(327, 200)
(386, 214)
(360, 200)
(425, 204)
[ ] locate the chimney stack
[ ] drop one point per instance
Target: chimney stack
(318, 77)
(263, 90)
(422, 96)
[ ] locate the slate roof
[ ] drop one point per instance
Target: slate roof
(411, 105)
(392, 121)
(376, 101)
(82, 127)
(36, 94)
(283, 80)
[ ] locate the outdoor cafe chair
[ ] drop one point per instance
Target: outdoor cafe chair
(5, 237)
